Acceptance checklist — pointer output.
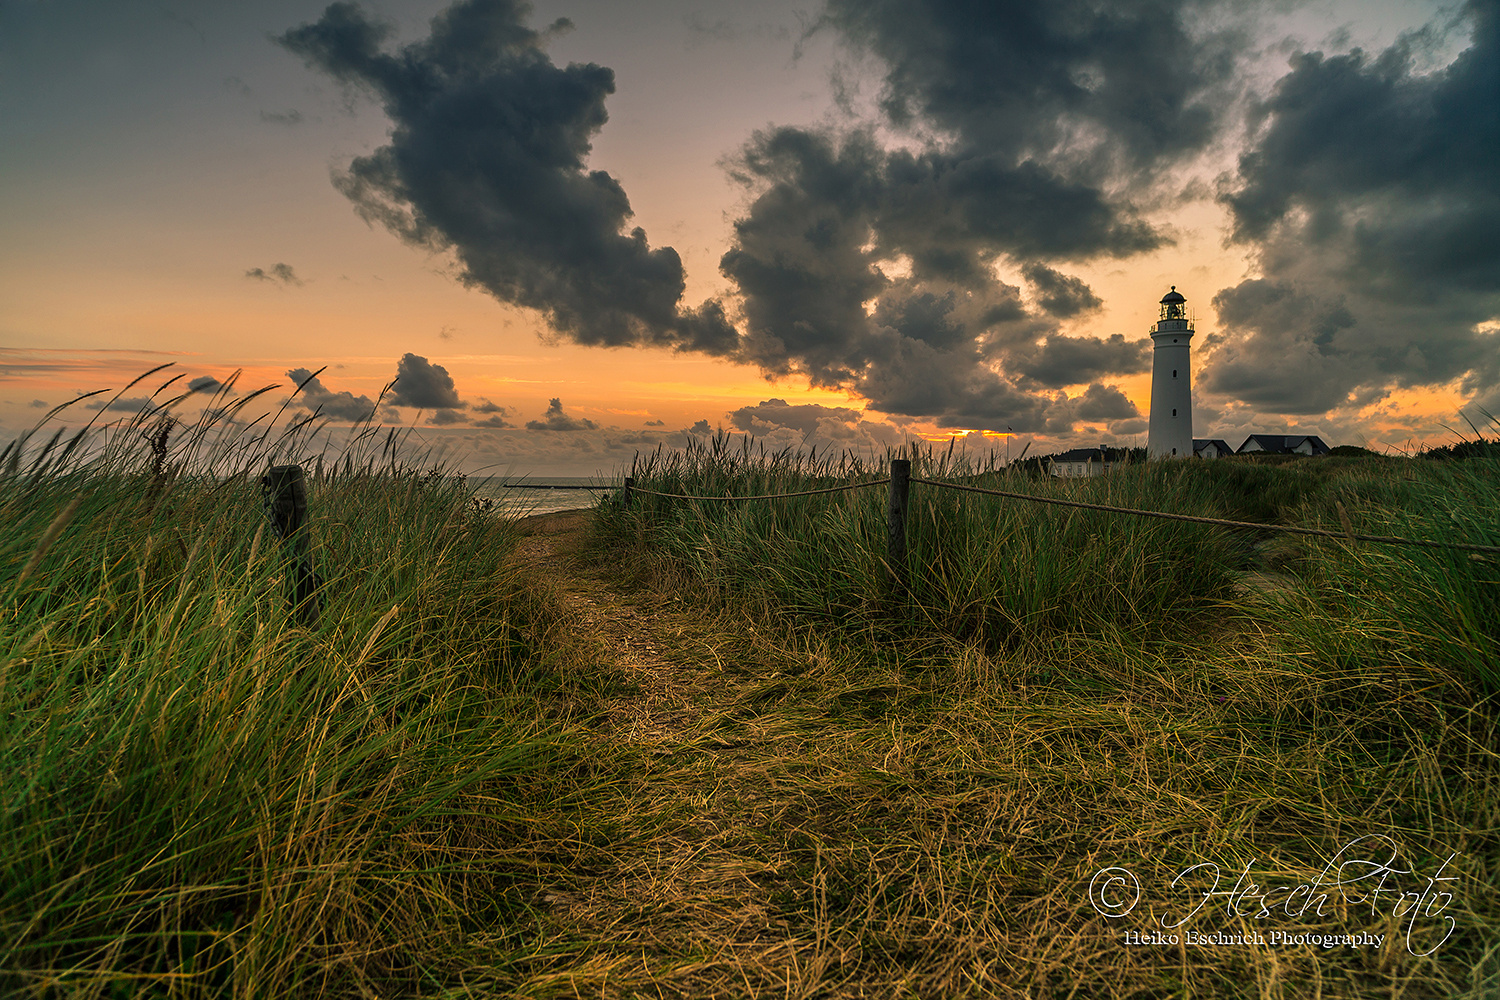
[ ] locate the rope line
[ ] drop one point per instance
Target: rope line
(1290, 529)
(1383, 539)
(766, 496)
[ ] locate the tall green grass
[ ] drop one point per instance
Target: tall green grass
(202, 798)
(1064, 690)
(1438, 608)
(981, 568)
(1007, 573)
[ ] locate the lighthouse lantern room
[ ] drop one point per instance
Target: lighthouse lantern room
(1171, 429)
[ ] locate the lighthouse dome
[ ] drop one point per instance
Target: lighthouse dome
(1173, 297)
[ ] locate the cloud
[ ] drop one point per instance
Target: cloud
(1075, 85)
(1105, 402)
(656, 423)
(444, 417)
(206, 383)
(38, 404)
(860, 265)
(872, 268)
(1060, 360)
(495, 421)
(923, 252)
(557, 420)
(485, 406)
(424, 385)
(487, 157)
(133, 404)
(808, 419)
(1060, 294)
(337, 405)
(700, 428)
(1370, 199)
(281, 273)
(292, 117)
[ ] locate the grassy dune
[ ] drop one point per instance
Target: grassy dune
(203, 798)
(749, 772)
(1007, 574)
(940, 784)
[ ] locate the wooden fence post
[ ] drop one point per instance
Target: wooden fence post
(625, 494)
(285, 491)
(895, 524)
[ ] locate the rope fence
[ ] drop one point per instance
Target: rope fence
(901, 479)
(1291, 529)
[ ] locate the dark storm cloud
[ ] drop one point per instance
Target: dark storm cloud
(832, 214)
(487, 157)
(1064, 360)
(1060, 294)
(280, 273)
(804, 417)
(424, 385)
(1372, 197)
(205, 383)
(556, 420)
(873, 269)
(1105, 402)
(338, 405)
(1089, 88)
(1034, 135)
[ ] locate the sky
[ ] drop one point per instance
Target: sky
(571, 231)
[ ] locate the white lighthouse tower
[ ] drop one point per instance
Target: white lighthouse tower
(1171, 433)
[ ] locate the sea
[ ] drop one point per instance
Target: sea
(543, 494)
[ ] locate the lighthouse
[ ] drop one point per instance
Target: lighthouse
(1171, 433)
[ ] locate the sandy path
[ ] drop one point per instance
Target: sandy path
(648, 639)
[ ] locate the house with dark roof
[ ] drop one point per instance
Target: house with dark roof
(1086, 462)
(1283, 444)
(1211, 448)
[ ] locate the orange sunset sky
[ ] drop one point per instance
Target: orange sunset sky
(886, 220)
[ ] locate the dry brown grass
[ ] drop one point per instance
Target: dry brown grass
(802, 814)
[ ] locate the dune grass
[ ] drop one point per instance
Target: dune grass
(203, 798)
(915, 800)
(1005, 573)
(780, 782)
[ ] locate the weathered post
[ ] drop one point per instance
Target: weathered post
(625, 493)
(895, 525)
(285, 491)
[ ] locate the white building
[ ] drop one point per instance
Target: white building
(1083, 462)
(1171, 430)
(1283, 444)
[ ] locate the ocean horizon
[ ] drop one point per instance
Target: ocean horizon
(523, 495)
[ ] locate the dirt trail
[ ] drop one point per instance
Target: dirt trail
(696, 879)
(650, 640)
